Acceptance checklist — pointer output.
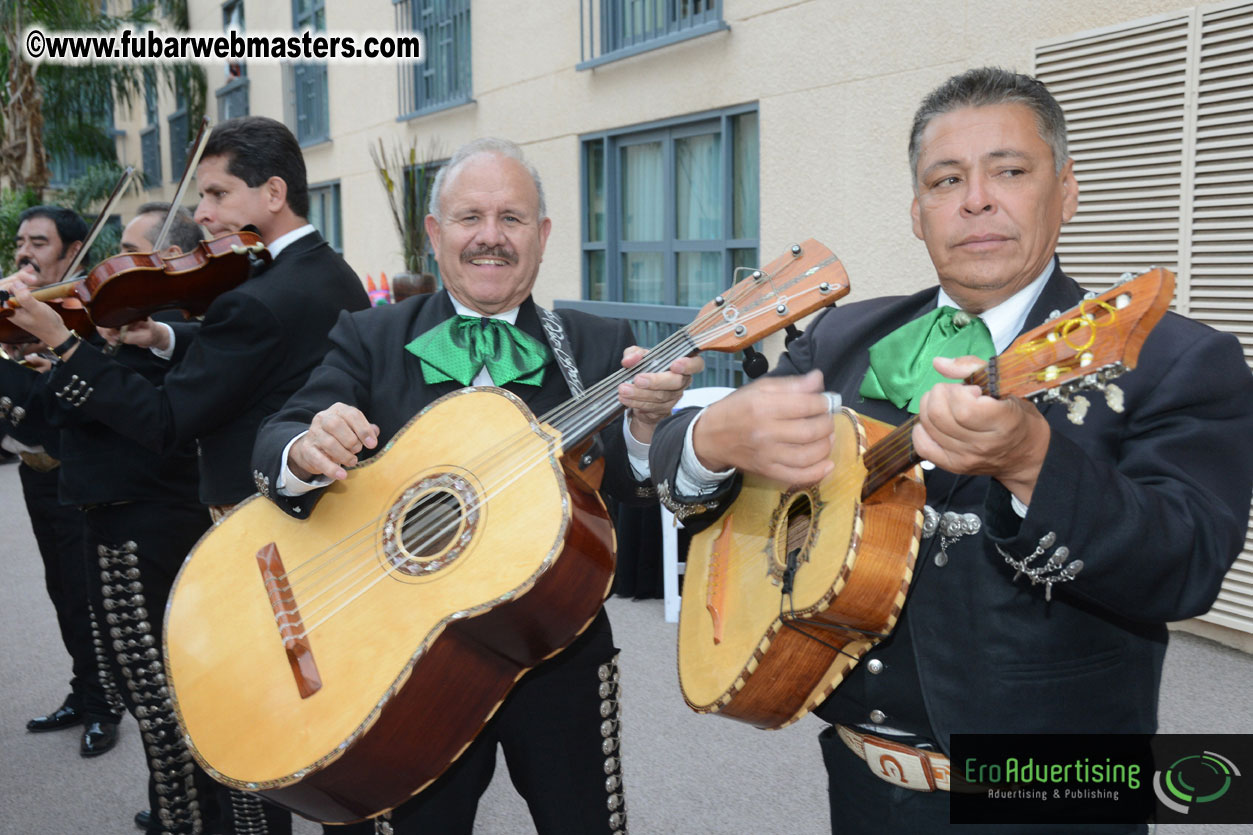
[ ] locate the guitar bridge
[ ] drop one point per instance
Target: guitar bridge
(291, 627)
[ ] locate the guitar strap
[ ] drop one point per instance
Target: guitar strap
(555, 333)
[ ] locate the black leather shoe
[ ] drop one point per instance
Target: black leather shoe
(142, 819)
(98, 737)
(63, 717)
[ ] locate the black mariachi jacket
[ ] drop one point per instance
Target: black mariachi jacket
(1154, 501)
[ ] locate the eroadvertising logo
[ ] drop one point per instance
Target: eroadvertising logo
(1194, 779)
(1100, 778)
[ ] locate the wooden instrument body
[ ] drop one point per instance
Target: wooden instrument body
(413, 666)
(132, 286)
(855, 566)
(70, 310)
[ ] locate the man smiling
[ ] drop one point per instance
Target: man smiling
(489, 226)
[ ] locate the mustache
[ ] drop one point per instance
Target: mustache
(26, 261)
(503, 253)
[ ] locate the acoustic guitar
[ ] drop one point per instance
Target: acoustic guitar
(338, 664)
(791, 588)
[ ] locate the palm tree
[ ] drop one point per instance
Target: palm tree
(56, 109)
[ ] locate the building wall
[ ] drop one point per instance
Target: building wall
(836, 84)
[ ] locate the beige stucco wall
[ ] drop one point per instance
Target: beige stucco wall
(836, 84)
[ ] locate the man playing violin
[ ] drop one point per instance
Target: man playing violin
(140, 515)
(488, 224)
(1053, 553)
(48, 238)
(255, 347)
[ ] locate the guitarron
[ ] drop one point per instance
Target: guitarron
(337, 665)
(785, 593)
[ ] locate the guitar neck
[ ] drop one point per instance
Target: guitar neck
(579, 417)
(895, 453)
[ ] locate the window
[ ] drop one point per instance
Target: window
(180, 135)
(324, 213)
(312, 108)
(150, 136)
(613, 29)
(1160, 113)
(670, 211)
(233, 95)
(443, 79)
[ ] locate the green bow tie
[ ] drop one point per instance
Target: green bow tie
(462, 345)
(900, 363)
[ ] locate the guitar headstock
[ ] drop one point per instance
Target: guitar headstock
(805, 278)
(1085, 347)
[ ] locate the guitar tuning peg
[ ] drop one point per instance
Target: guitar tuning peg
(1114, 398)
(792, 333)
(1078, 410)
(755, 363)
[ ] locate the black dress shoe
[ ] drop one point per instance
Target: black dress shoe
(142, 819)
(98, 737)
(63, 717)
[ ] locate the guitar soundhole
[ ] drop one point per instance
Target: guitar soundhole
(791, 529)
(799, 515)
(430, 525)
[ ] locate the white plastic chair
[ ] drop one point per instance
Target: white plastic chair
(670, 567)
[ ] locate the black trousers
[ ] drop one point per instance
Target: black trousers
(863, 804)
(559, 732)
(58, 532)
(134, 551)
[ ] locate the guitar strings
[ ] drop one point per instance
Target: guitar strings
(676, 348)
(525, 465)
(905, 442)
(575, 403)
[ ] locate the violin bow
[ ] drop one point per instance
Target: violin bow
(193, 159)
(101, 219)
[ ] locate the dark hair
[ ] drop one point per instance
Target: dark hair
(257, 148)
(988, 86)
(70, 227)
(185, 233)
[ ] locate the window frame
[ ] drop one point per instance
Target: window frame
(669, 130)
(311, 73)
(598, 20)
(411, 103)
(333, 188)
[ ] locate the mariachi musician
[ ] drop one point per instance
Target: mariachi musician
(48, 243)
(255, 347)
(1053, 553)
(488, 224)
(142, 515)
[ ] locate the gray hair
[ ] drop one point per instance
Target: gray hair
(984, 87)
(485, 145)
(185, 233)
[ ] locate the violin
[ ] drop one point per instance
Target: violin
(71, 311)
(132, 286)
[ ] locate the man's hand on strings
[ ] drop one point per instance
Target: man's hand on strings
(966, 432)
(652, 397)
(778, 427)
(331, 445)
